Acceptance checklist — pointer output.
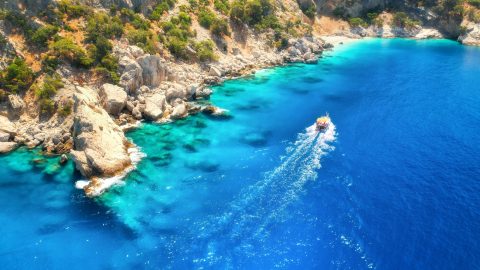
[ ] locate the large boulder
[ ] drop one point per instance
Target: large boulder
(153, 70)
(176, 91)
(6, 126)
(6, 147)
(154, 106)
(179, 111)
(113, 98)
(100, 147)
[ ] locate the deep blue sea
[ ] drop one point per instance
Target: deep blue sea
(393, 184)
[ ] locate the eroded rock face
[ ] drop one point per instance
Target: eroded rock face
(113, 98)
(471, 36)
(153, 70)
(131, 78)
(100, 147)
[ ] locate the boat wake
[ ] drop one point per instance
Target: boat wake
(265, 203)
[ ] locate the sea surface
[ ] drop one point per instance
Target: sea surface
(394, 183)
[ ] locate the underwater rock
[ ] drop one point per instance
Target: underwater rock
(203, 165)
(255, 139)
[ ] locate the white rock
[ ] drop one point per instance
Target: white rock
(214, 71)
(113, 98)
(179, 111)
(16, 103)
(6, 147)
(6, 126)
(153, 70)
(154, 106)
(100, 147)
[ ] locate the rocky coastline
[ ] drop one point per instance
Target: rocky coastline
(95, 114)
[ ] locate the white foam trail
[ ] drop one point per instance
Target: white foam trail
(265, 202)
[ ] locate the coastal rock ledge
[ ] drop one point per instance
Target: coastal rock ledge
(100, 147)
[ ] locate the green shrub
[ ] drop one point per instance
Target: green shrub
(222, 5)
(66, 49)
(357, 22)
(65, 108)
(17, 77)
(475, 3)
(205, 50)
(176, 34)
(50, 86)
(308, 8)
(250, 11)
(162, 7)
(50, 63)
(219, 27)
(206, 17)
(72, 9)
(143, 39)
(42, 35)
(401, 19)
(103, 25)
(135, 19)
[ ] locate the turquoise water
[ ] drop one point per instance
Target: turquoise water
(392, 185)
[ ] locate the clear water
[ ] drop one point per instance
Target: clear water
(394, 185)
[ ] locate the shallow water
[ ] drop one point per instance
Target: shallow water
(393, 185)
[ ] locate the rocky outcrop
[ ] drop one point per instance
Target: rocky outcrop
(100, 147)
(305, 50)
(113, 98)
(471, 36)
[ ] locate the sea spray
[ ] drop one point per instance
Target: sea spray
(135, 154)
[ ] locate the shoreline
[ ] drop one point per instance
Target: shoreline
(98, 185)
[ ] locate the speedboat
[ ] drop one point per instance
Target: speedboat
(322, 123)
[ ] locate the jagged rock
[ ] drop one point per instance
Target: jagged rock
(179, 111)
(130, 106)
(6, 126)
(40, 137)
(135, 51)
(203, 92)
(100, 147)
(6, 147)
(153, 70)
(113, 98)
(154, 106)
(214, 72)
(16, 104)
(137, 113)
(131, 78)
(471, 36)
(176, 91)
